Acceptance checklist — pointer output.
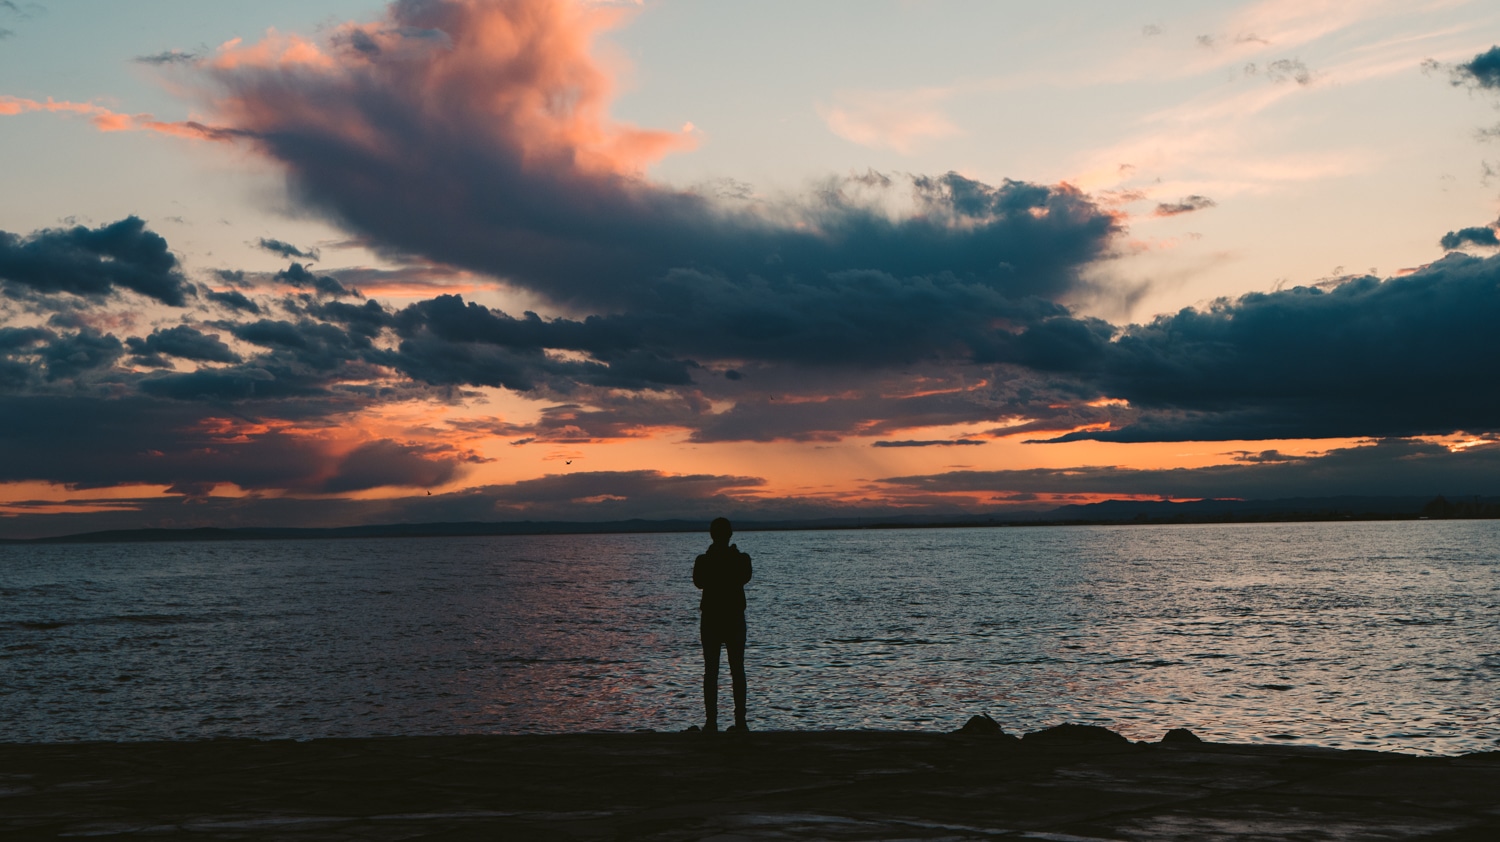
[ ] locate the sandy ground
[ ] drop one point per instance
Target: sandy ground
(783, 785)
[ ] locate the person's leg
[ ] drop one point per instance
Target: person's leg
(735, 643)
(710, 639)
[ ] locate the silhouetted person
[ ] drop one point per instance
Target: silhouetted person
(722, 573)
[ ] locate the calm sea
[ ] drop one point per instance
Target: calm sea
(1367, 635)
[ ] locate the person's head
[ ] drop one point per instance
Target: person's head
(720, 530)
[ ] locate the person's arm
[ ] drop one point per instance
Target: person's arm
(698, 571)
(745, 557)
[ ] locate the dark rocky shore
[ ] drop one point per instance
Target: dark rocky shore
(1067, 783)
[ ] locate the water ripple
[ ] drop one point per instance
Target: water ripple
(1373, 635)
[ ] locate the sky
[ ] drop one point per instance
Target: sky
(335, 262)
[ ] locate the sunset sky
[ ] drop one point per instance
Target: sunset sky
(332, 262)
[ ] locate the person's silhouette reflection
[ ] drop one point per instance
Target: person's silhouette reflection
(722, 573)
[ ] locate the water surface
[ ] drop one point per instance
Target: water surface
(1368, 635)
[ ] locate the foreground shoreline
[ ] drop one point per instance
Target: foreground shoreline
(1059, 784)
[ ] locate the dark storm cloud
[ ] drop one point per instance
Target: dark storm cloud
(440, 363)
(926, 443)
(260, 380)
(234, 300)
(781, 403)
(182, 342)
(167, 57)
(286, 250)
(367, 319)
(16, 338)
(448, 341)
(21, 351)
(1478, 236)
(1047, 404)
(613, 415)
(295, 359)
(548, 197)
(387, 464)
(1361, 358)
(764, 418)
(189, 445)
(524, 178)
(431, 277)
(1400, 357)
(449, 319)
(569, 488)
(93, 262)
(1264, 456)
(1392, 467)
(1186, 205)
(1482, 70)
(466, 364)
(609, 495)
(867, 320)
(316, 345)
(238, 383)
(69, 357)
(298, 276)
(1061, 343)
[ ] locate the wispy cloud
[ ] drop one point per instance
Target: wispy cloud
(22, 11)
(899, 120)
(286, 249)
(169, 57)
(1285, 24)
(107, 120)
(927, 443)
(1188, 204)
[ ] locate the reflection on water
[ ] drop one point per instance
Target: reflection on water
(1369, 635)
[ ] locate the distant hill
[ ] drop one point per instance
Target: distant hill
(1285, 509)
(1107, 512)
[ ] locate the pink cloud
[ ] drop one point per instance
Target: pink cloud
(106, 120)
(897, 120)
(518, 72)
(274, 50)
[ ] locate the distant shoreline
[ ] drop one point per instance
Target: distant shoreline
(1108, 513)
